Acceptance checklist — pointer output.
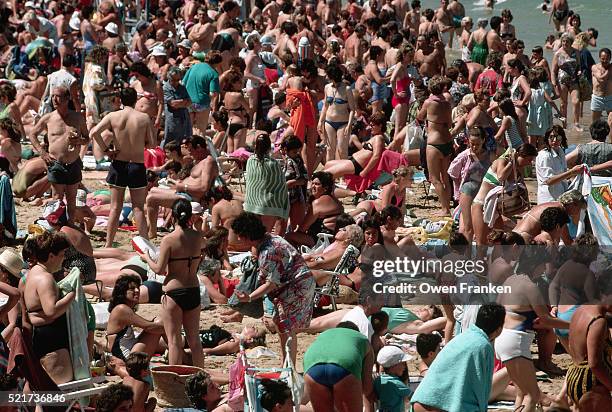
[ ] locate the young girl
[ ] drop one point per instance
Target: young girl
(297, 178)
(540, 117)
(509, 133)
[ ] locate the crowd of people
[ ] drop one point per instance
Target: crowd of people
(292, 132)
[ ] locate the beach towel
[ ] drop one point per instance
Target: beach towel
(77, 324)
(461, 377)
(389, 161)
(303, 115)
(8, 217)
(490, 206)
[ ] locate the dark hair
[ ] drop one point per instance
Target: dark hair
(280, 98)
(606, 50)
(196, 387)
(375, 51)
(552, 217)
(218, 193)
(507, 13)
(452, 73)
(9, 91)
(113, 396)
(273, 393)
(389, 212)
(436, 85)
(292, 142)
(213, 57)
(174, 166)
(262, 146)
(28, 251)
(537, 49)
(69, 61)
(221, 117)
(599, 130)
(86, 12)
(230, 79)
(526, 150)
(372, 223)
(426, 343)
(558, 131)
(135, 363)
(128, 96)
(326, 179)
(142, 69)
(181, 212)
(49, 243)
(173, 146)
(348, 325)
(214, 239)
(396, 40)
(458, 242)
(289, 27)
(415, 4)
(585, 249)
(380, 322)
(495, 22)
(8, 124)
(344, 220)
(507, 107)
(334, 73)
(490, 317)
(122, 285)
(249, 225)
(516, 64)
(429, 14)
(505, 238)
(198, 142)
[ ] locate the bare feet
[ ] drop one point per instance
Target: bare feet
(549, 367)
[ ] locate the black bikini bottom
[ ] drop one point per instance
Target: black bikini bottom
(186, 298)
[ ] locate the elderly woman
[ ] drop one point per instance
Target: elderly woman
(329, 258)
(284, 278)
(266, 187)
(150, 93)
(46, 309)
(337, 114)
(564, 76)
(177, 125)
(323, 210)
(551, 162)
(120, 337)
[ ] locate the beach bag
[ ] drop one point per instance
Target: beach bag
(585, 89)
(249, 282)
(514, 199)
(414, 137)
(214, 336)
(293, 379)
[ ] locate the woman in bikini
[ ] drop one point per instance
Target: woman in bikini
(150, 93)
(46, 309)
(437, 112)
(498, 174)
(520, 92)
(337, 115)
(507, 31)
(323, 210)
(400, 85)
(236, 106)
(392, 193)
(179, 255)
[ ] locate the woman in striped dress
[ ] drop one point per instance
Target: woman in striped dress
(266, 187)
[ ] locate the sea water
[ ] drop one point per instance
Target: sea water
(532, 24)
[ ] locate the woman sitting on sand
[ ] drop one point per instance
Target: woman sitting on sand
(120, 337)
(392, 194)
(215, 259)
(225, 207)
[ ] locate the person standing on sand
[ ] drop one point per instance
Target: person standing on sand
(494, 41)
(601, 100)
(66, 131)
(193, 188)
(444, 19)
(559, 14)
(131, 133)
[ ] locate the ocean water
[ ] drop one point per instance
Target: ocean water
(532, 24)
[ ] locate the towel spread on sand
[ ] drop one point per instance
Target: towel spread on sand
(303, 115)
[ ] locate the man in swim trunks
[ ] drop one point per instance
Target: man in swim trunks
(131, 132)
(193, 187)
(530, 225)
(601, 100)
(66, 132)
(559, 14)
(444, 19)
(202, 33)
(457, 10)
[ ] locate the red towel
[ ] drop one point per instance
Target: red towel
(302, 116)
(389, 161)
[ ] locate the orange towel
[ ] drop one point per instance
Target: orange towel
(302, 116)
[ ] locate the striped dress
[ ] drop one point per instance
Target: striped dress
(266, 188)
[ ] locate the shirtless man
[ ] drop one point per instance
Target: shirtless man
(559, 14)
(530, 225)
(444, 20)
(413, 17)
(400, 7)
(601, 100)
(193, 187)
(231, 10)
(202, 33)
(223, 214)
(66, 131)
(435, 62)
(351, 47)
(189, 10)
(131, 132)
(428, 26)
(457, 10)
(494, 41)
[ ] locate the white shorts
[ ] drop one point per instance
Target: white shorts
(512, 344)
(601, 103)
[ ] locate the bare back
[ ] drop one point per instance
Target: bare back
(132, 130)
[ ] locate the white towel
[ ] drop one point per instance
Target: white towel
(490, 212)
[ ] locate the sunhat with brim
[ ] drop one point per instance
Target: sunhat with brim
(185, 43)
(112, 28)
(158, 52)
(11, 261)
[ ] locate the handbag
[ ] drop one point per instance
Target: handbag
(249, 282)
(514, 199)
(414, 137)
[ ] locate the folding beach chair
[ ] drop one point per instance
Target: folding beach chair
(323, 240)
(74, 392)
(220, 159)
(344, 266)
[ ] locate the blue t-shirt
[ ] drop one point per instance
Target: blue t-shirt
(391, 393)
(200, 81)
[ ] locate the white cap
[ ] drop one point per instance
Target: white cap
(112, 28)
(158, 51)
(75, 23)
(390, 356)
(304, 42)
(29, 5)
(196, 208)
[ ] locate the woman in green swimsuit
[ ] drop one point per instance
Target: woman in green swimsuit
(478, 43)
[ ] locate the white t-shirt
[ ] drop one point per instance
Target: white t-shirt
(358, 317)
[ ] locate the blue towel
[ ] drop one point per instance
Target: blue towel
(460, 377)
(7, 206)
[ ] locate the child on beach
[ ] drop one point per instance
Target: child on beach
(390, 387)
(297, 178)
(137, 365)
(540, 117)
(428, 346)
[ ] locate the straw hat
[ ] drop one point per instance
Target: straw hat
(11, 261)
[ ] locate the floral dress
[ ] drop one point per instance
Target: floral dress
(281, 264)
